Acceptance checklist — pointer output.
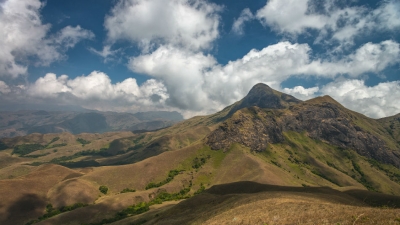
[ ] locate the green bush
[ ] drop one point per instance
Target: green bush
(25, 149)
(83, 141)
(128, 190)
(171, 175)
(54, 140)
(103, 189)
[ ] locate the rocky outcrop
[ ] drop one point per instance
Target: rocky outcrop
(331, 123)
(247, 130)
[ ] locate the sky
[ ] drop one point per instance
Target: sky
(196, 56)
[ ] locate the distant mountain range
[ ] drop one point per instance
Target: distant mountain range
(21, 123)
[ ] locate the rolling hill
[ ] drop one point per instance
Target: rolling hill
(261, 160)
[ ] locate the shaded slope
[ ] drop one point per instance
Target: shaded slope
(254, 203)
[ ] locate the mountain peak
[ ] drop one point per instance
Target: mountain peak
(261, 95)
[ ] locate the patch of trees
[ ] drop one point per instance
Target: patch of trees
(83, 141)
(36, 156)
(143, 207)
(103, 189)
(171, 175)
(25, 149)
(58, 145)
(50, 211)
(127, 190)
(54, 140)
(201, 189)
(199, 162)
(363, 179)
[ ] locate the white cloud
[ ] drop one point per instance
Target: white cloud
(368, 58)
(290, 16)
(342, 24)
(69, 36)
(196, 82)
(302, 93)
(106, 53)
(4, 89)
(377, 101)
(25, 41)
(244, 17)
(191, 24)
(96, 91)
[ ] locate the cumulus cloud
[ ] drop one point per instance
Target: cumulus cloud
(25, 38)
(238, 25)
(302, 93)
(192, 24)
(376, 101)
(195, 81)
(342, 24)
(96, 91)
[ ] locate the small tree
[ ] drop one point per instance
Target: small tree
(103, 189)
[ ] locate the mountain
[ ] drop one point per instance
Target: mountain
(268, 158)
(39, 121)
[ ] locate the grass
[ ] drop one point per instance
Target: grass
(171, 175)
(25, 149)
(50, 212)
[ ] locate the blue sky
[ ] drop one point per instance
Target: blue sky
(196, 56)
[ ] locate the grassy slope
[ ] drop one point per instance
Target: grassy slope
(253, 203)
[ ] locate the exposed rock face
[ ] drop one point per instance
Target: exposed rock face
(250, 131)
(325, 120)
(329, 122)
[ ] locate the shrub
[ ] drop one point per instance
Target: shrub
(128, 190)
(171, 175)
(25, 149)
(83, 141)
(103, 189)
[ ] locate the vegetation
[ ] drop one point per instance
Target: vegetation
(130, 211)
(127, 190)
(54, 140)
(36, 156)
(83, 141)
(103, 189)
(145, 206)
(50, 211)
(363, 180)
(25, 149)
(201, 189)
(171, 175)
(58, 145)
(199, 162)
(392, 172)
(3, 146)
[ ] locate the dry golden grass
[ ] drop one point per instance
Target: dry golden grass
(25, 197)
(251, 203)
